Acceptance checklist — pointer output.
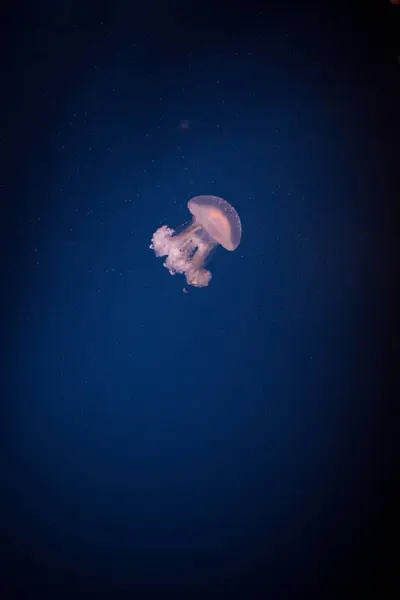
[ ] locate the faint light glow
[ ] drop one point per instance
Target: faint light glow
(184, 124)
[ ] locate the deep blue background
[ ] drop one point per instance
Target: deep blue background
(232, 439)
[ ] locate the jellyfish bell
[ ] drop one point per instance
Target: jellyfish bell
(215, 222)
(218, 218)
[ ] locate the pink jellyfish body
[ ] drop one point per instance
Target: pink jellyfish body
(215, 222)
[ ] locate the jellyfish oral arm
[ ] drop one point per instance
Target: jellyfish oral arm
(185, 254)
(161, 241)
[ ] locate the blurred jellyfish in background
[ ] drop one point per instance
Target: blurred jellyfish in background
(214, 222)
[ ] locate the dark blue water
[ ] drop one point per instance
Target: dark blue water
(228, 440)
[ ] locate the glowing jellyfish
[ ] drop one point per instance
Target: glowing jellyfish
(214, 222)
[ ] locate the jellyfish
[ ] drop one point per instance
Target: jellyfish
(215, 222)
